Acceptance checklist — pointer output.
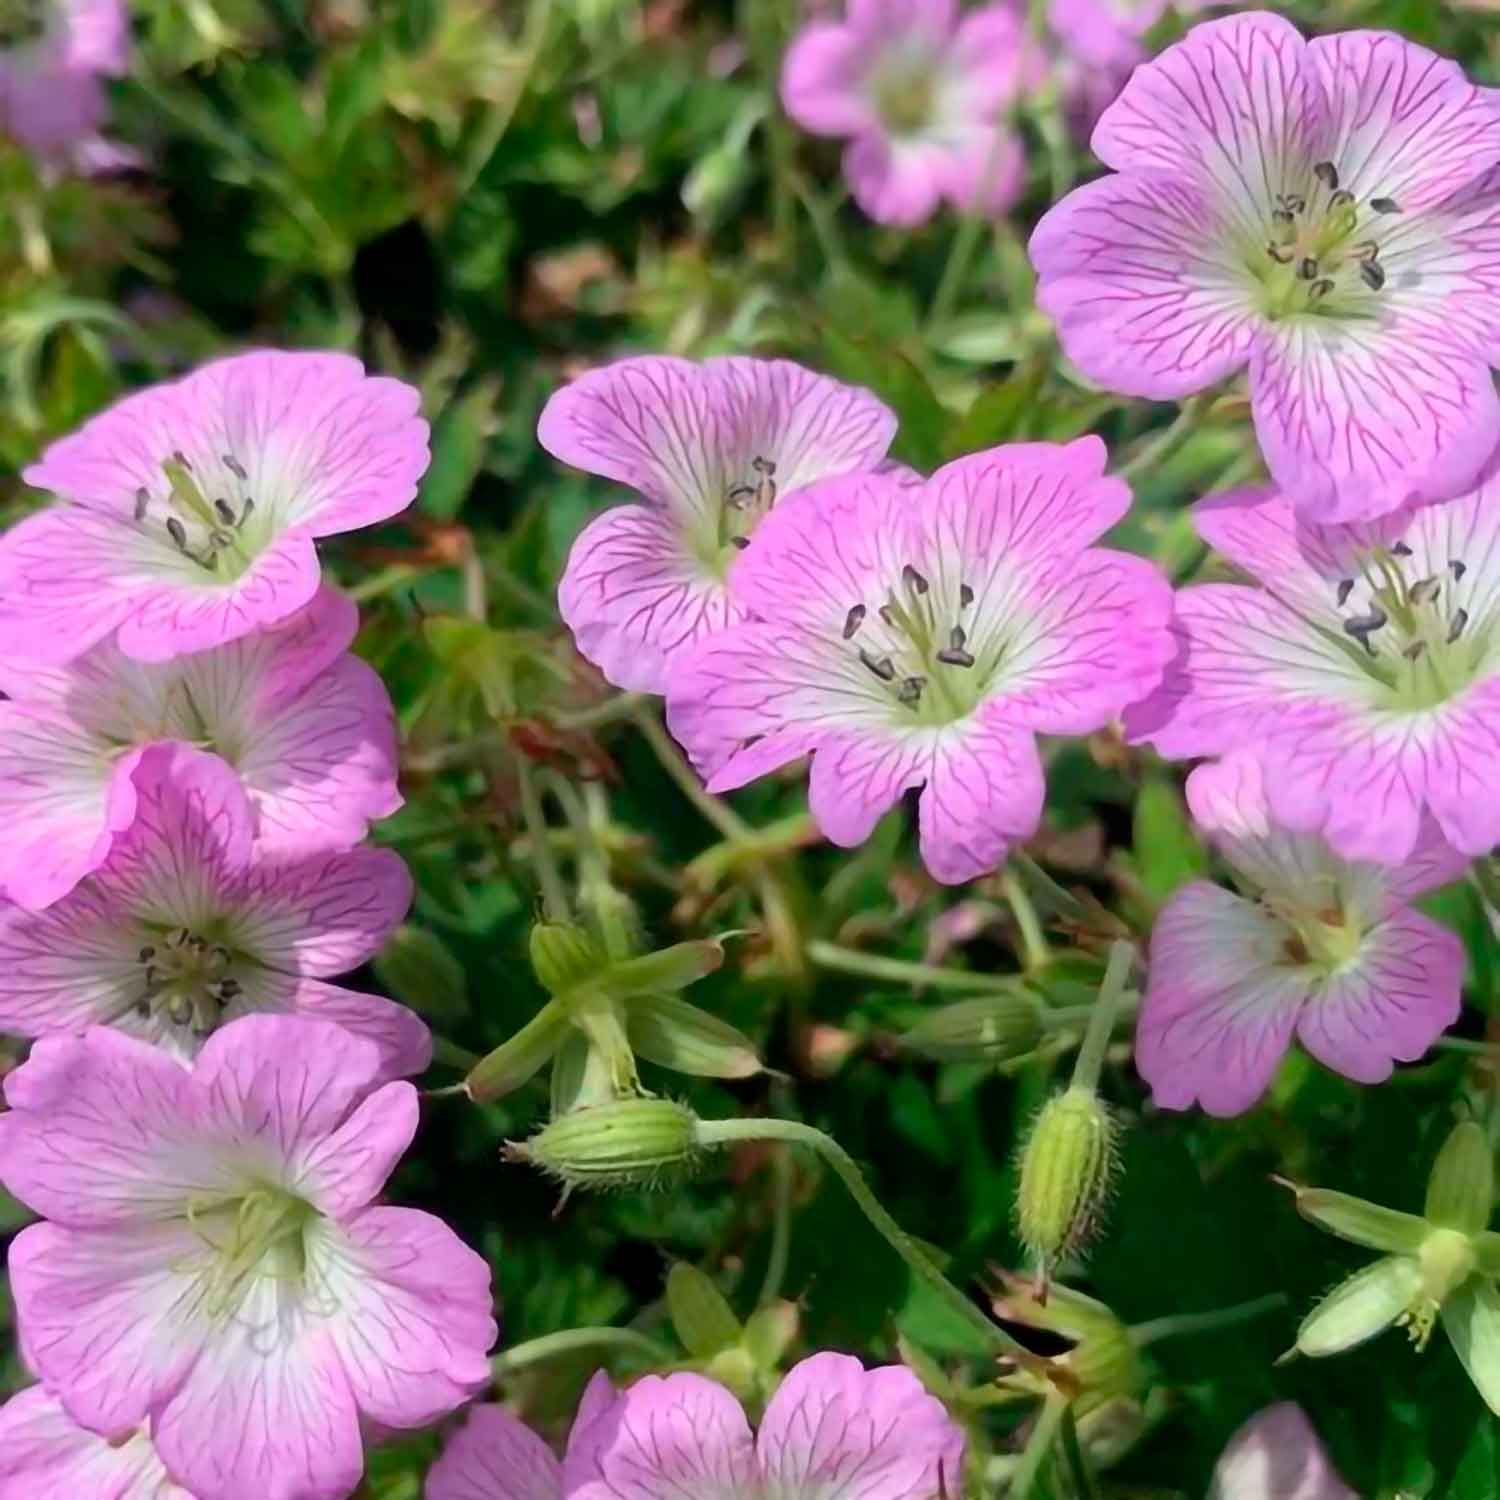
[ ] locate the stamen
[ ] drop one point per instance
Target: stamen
(1293, 202)
(1341, 199)
(763, 465)
(1400, 549)
(879, 665)
(1424, 591)
(1366, 250)
(958, 638)
(1319, 289)
(853, 620)
(1282, 216)
(1385, 205)
(1361, 627)
(1327, 174)
(955, 656)
(1346, 587)
(234, 466)
(142, 503)
(246, 512)
(913, 579)
(180, 459)
(965, 596)
(1372, 274)
(739, 543)
(910, 690)
(1459, 625)
(1281, 254)
(178, 532)
(888, 615)
(739, 495)
(1413, 651)
(1307, 268)
(224, 511)
(146, 954)
(1457, 568)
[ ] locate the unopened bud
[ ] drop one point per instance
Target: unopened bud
(1066, 1171)
(702, 1318)
(987, 1028)
(1461, 1185)
(418, 968)
(625, 1143)
(563, 955)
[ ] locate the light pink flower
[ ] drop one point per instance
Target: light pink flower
(185, 926)
(214, 1265)
(45, 1453)
(1365, 668)
(923, 637)
(1318, 947)
(921, 94)
(307, 727)
(192, 507)
(494, 1456)
(1276, 1455)
(832, 1428)
(53, 54)
(1324, 212)
(709, 448)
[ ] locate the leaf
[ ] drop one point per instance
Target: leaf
(902, 386)
(999, 414)
(1167, 852)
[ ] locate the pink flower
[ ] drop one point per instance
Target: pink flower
(1325, 949)
(1323, 212)
(832, 1428)
(53, 54)
(214, 1265)
(921, 95)
(1366, 669)
(709, 448)
(186, 926)
(192, 506)
(44, 1452)
(493, 1456)
(923, 637)
(1276, 1455)
(307, 727)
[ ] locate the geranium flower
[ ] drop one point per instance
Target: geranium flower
(185, 926)
(192, 506)
(1277, 1454)
(1365, 668)
(709, 448)
(214, 1266)
(53, 54)
(1322, 212)
(921, 95)
(1102, 41)
(43, 1451)
(923, 637)
(832, 1427)
(307, 727)
(1317, 947)
(495, 1456)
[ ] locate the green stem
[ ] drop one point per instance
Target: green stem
(1090, 1061)
(1084, 1486)
(451, 1054)
(1468, 1048)
(720, 814)
(543, 858)
(714, 1133)
(1038, 1447)
(494, 125)
(387, 581)
(955, 270)
(1034, 950)
(625, 1341)
(900, 971)
(611, 711)
(1184, 1325)
(1166, 442)
(781, 1228)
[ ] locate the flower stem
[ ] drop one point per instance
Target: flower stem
(543, 857)
(1084, 1487)
(444, 1051)
(1038, 1446)
(1035, 952)
(900, 971)
(955, 270)
(625, 1341)
(1171, 437)
(1183, 1325)
(781, 1228)
(715, 1133)
(720, 814)
(1090, 1061)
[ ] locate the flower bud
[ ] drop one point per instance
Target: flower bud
(1066, 1172)
(704, 1321)
(987, 1028)
(625, 1143)
(563, 954)
(418, 968)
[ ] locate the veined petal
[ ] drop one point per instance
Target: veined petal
(1221, 1003)
(636, 597)
(492, 1456)
(401, 1035)
(1361, 1307)
(823, 80)
(1277, 1454)
(1391, 1003)
(858, 776)
(835, 1428)
(1471, 1319)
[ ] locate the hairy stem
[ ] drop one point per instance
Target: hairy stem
(625, 1341)
(1090, 1061)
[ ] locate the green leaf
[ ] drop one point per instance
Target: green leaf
(902, 386)
(460, 438)
(999, 414)
(1167, 852)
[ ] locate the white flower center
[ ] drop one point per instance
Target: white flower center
(185, 981)
(260, 1235)
(746, 504)
(218, 528)
(904, 91)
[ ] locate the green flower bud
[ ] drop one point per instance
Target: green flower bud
(626, 1143)
(1461, 1185)
(704, 1321)
(563, 955)
(1066, 1172)
(418, 968)
(987, 1028)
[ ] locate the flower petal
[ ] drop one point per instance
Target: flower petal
(1220, 1005)
(399, 1032)
(823, 80)
(835, 1428)
(896, 181)
(1471, 1319)
(493, 1456)
(859, 775)
(1277, 1453)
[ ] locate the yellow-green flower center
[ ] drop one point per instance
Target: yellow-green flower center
(259, 1236)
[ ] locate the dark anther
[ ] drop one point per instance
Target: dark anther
(178, 532)
(763, 465)
(958, 638)
(234, 466)
(911, 689)
(146, 954)
(1424, 591)
(885, 614)
(1400, 549)
(225, 512)
(1292, 202)
(142, 500)
(739, 494)
(853, 620)
(1413, 651)
(955, 656)
(913, 579)
(1320, 289)
(180, 458)
(1341, 199)
(1367, 250)
(1327, 174)
(228, 989)
(1281, 254)
(1457, 569)
(1307, 268)
(879, 665)
(1385, 205)
(246, 513)
(1361, 627)
(1282, 216)
(1346, 587)
(739, 543)
(965, 596)
(210, 560)
(1459, 625)
(1372, 273)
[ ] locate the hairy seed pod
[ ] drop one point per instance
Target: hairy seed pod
(987, 1028)
(1067, 1168)
(625, 1143)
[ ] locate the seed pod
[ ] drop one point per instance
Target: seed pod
(987, 1028)
(1066, 1171)
(626, 1143)
(563, 955)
